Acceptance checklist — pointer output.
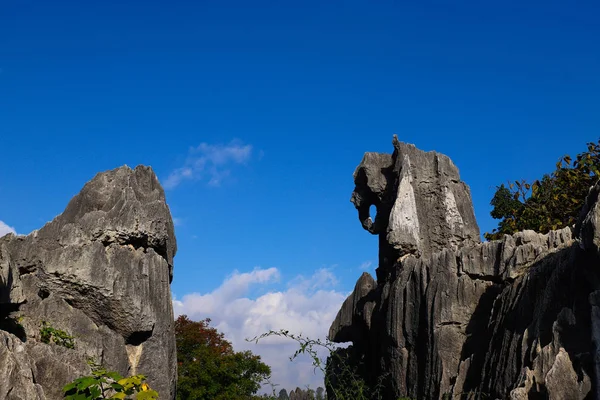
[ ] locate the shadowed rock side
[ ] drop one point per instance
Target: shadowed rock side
(100, 271)
(515, 318)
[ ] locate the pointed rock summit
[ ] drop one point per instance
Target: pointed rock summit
(101, 272)
(422, 205)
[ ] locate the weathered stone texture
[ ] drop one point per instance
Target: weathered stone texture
(422, 206)
(100, 271)
(448, 316)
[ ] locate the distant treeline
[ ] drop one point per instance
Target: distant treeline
(299, 394)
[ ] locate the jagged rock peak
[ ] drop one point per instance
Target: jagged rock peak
(100, 271)
(513, 318)
(123, 205)
(422, 205)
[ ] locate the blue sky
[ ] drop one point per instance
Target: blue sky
(270, 105)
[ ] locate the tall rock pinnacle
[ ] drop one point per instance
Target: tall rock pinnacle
(100, 271)
(422, 205)
(452, 318)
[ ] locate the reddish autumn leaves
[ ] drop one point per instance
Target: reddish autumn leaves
(209, 368)
(191, 335)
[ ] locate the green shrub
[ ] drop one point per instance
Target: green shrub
(61, 338)
(103, 384)
(550, 203)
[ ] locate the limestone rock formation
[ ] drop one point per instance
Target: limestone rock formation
(101, 272)
(449, 317)
(422, 206)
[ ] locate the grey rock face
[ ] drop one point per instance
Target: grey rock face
(100, 271)
(514, 318)
(356, 311)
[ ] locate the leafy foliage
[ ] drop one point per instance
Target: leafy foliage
(209, 368)
(342, 378)
(61, 338)
(103, 384)
(550, 203)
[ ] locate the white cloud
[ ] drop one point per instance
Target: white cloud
(307, 306)
(210, 162)
(5, 229)
(365, 266)
(322, 278)
(177, 221)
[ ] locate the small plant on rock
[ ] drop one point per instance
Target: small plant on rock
(103, 384)
(49, 333)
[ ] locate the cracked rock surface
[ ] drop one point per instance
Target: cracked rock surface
(100, 271)
(516, 318)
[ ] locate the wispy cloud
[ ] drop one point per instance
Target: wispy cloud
(307, 306)
(5, 229)
(321, 279)
(210, 162)
(366, 265)
(177, 221)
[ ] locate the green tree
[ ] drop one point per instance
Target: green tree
(550, 203)
(209, 368)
